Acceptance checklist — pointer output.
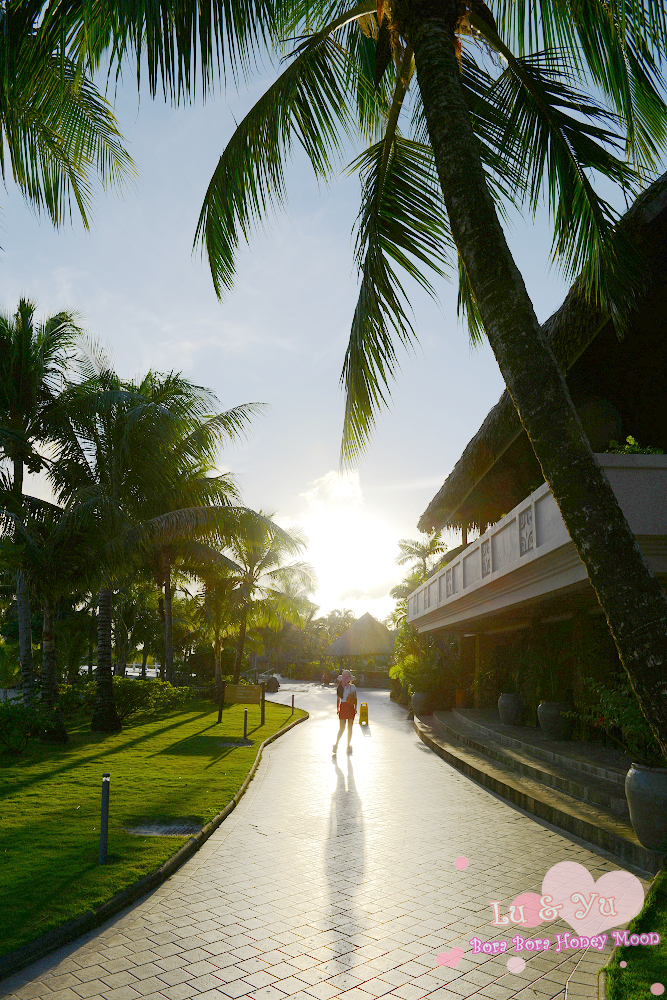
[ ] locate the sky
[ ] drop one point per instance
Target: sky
(278, 338)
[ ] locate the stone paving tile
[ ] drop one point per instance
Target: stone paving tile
(334, 879)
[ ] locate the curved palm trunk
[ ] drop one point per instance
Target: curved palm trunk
(168, 625)
(239, 648)
(105, 718)
(54, 729)
(632, 599)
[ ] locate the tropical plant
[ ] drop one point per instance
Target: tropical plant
(631, 447)
(420, 552)
(219, 612)
(495, 119)
(270, 590)
(33, 359)
(109, 457)
(614, 710)
(56, 129)
(189, 489)
(55, 554)
(130, 453)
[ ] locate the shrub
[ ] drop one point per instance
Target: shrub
(424, 663)
(617, 711)
(18, 722)
(71, 697)
(631, 447)
(135, 697)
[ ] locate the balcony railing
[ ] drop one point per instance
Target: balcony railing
(529, 551)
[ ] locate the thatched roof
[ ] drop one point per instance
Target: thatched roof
(498, 468)
(365, 637)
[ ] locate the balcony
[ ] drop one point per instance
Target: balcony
(528, 558)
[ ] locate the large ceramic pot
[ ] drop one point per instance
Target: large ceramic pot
(422, 704)
(511, 709)
(646, 792)
(553, 723)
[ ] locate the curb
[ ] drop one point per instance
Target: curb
(41, 946)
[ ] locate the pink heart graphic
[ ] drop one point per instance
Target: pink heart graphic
(568, 879)
(451, 958)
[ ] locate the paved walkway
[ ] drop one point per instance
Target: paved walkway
(336, 879)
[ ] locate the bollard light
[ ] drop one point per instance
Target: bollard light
(245, 723)
(104, 822)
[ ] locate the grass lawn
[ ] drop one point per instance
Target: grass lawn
(648, 964)
(164, 769)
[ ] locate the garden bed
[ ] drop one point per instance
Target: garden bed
(163, 771)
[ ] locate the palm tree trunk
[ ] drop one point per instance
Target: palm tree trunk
(160, 607)
(168, 625)
(23, 613)
(239, 648)
(633, 600)
(91, 634)
(54, 729)
(144, 660)
(105, 718)
(217, 653)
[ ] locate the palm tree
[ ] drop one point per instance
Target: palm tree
(129, 454)
(189, 486)
(55, 556)
(219, 611)
(481, 135)
(56, 128)
(415, 551)
(484, 131)
(266, 584)
(33, 358)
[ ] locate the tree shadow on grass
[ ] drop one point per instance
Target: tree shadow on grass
(105, 752)
(214, 746)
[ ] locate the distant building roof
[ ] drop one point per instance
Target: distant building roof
(365, 637)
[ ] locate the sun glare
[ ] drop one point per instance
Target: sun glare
(352, 549)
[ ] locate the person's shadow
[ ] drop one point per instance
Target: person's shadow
(345, 854)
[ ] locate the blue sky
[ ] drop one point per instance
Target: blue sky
(279, 338)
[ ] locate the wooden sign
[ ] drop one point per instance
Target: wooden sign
(242, 694)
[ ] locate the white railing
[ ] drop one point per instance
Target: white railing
(535, 528)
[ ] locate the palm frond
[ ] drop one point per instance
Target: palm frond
(566, 136)
(617, 44)
(402, 222)
(57, 129)
(308, 103)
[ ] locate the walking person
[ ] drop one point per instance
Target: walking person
(346, 705)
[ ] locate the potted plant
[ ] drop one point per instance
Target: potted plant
(540, 673)
(503, 677)
(617, 711)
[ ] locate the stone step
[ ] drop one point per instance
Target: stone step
(601, 762)
(580, 785)
(589, 822)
